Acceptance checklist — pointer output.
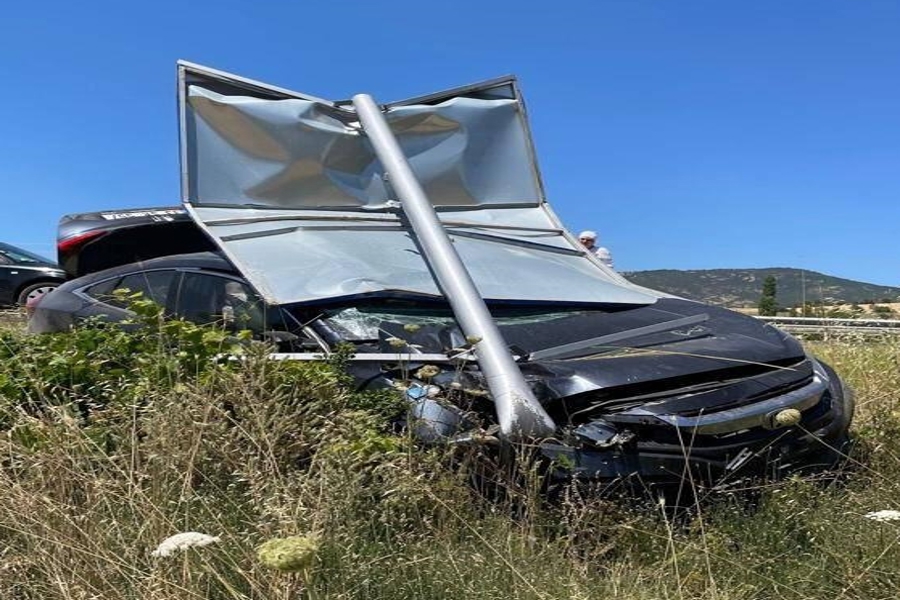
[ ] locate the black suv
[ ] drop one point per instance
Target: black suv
(25, 277)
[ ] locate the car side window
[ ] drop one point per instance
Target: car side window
(205, 298)
(158, 286)
(102, 291)
(13, 257)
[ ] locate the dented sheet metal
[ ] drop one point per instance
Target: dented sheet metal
(304, 154)
(314, 256)
(293, 194)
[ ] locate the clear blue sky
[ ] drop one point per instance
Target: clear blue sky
(691, 134)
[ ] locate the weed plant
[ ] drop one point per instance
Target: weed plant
(113, 440)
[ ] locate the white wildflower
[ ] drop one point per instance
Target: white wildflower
(428, 372)
(476, 392)
(884, 515)
(395, 342)
(788, 417)
(183, 541)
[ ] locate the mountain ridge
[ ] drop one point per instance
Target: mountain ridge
(742, 287)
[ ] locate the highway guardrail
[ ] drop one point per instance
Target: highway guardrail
(823, 325)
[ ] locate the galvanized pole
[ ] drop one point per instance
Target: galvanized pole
(518, 412)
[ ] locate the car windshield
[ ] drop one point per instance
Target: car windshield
(18, 255)
(369, 322)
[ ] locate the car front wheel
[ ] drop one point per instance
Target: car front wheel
(31, 294)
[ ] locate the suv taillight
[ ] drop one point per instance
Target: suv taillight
(71, 244)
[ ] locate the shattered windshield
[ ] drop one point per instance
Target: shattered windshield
(359, 324)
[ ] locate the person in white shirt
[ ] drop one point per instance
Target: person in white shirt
(589, 239)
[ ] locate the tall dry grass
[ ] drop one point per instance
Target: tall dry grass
(95, 475)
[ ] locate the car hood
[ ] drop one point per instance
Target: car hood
(724, 345)
(671, 345)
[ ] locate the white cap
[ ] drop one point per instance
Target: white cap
(591, 235)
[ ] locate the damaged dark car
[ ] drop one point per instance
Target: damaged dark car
(300, 223)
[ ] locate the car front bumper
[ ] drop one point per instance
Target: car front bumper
(719, 448)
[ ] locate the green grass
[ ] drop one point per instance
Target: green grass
(112, 442)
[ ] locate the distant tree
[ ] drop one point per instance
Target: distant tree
(768, 305)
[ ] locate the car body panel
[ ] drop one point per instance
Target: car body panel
(89, 242)
(71, 303)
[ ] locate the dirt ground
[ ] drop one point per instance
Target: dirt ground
(11, 318)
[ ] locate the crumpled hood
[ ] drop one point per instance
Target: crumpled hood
(671, 344)
(722, 345)
(703, 339)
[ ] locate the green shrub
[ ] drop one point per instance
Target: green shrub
(112, 441)
(882, 311)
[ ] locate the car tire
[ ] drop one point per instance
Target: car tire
(30, 294)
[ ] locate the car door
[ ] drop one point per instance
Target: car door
(7, 274)
(159, 285)
(211, 298)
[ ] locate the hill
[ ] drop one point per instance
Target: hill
(742, 287)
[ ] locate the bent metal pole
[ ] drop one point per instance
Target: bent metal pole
(518, 412)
